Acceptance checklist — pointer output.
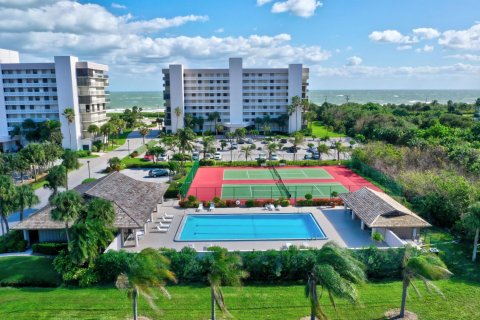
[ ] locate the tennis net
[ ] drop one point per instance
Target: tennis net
(279, 182)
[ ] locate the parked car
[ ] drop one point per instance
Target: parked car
(262, 156)
(218, 156)
(162, 157)
(208, 156)
(292, 149)
(315, 156)
(158, 173)
(234, 146)
(148, 157)
(283, 141)
(241, 141)
(249, 141)
(195, 156)
(274, 157)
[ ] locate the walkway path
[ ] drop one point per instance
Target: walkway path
(97, 165)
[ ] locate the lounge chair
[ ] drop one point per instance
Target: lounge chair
(200, 207)
(278, 207)
(212, 206)
(163, 219)
(159, 229)
(168, 216)
(164, 225)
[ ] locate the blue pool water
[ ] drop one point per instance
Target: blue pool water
(263, 226)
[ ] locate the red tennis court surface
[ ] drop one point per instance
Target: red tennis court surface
(209, 181)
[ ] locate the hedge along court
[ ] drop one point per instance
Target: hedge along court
(245, 183)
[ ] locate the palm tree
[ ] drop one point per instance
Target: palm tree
(25, 198)
(339, 147)
(272, 147)
(107, 129)
(143, 132)
(247, 151)
(56, 177)
(214, 117)
(336, 272)
(207, 144)
(322, 148)
(424, 267)
(293, 108)
(472, 221)
(297, 140)
(219, 128)
(7, 200)
(94, 130)
(69, 114)
(185, 138)
(149, 270)
(178, 113)
(224, 268)
(66, 207)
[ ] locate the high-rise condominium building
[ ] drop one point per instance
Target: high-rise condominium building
(242, 97)
(42, 91)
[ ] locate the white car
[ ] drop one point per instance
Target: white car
(262, 156)
(195, 156)
(162, 157)
(274, 157)
(218, 156)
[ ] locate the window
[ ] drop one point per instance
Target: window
(47, 107)
(32, 107)
(87, 108)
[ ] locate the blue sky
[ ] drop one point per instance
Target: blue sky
(347, 44)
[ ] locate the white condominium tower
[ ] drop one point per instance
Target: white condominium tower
(42, 91)
(240, 96)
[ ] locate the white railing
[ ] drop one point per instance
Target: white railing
(393, 240)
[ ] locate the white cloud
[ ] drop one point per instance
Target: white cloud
(468, 39)
(458, 69)
(301, 8)
(404, 47)
(467, 57)
(220, 30)
(118, 6)
(426, 48)
(153, 25)
(354, 61)
(426, 33)
(262, 2)
(391, 36)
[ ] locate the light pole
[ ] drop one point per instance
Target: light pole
(88, 164)
(128, 146)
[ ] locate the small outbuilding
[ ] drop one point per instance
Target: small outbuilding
(381, 213)
(134, 202)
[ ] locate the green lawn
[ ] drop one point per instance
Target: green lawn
(39, 184)
(90, 156)
(118, 141)
(320, 131)
(248, 302)
(34, 269)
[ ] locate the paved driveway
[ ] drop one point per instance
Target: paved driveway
(142, 175)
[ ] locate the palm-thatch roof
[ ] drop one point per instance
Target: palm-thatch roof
(133, 200)
(379, 210)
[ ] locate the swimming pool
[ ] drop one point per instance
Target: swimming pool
(250, 227)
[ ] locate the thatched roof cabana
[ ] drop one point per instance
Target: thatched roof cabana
(133, 200)
(379, 210)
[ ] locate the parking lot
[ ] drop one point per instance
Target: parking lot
(142, 175)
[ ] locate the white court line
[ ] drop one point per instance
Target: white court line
(248, 174)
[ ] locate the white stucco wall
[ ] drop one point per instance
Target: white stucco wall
(392, 239)
(295, 89)
(176, 95)
(236, 90)
(67, 92)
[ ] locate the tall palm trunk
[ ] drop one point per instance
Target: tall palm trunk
(475, 245)
(404, 298)
(134, 299)
(5, 221)
(21, 213)
(213, 304)
(66, 233)
(3, 231)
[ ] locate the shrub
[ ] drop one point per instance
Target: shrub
(98, 144)
(49, 248)
(134, 154)
(181, 157)
(381, 264)
(320, 202)
(110, 264)
(84, 153)
(88, 180)
(13, 243)
(207, 162)
(177, 176)
(249, 203)
(186, 264)
(308, 196)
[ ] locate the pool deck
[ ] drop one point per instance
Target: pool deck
(335, 223)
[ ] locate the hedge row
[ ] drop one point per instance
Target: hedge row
(13, 242)
(320, 202)
(263, 266)
(302, 163)
(49, 248)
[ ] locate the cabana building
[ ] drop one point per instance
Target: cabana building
(134, 203)
(379, 212)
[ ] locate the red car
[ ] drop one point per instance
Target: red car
(148, 157)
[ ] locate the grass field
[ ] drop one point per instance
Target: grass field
(248, 302)
(269, 191)
(311, 173)
(34, 269)
(265, 302)
(320, 131)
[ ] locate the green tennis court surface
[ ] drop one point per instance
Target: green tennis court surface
(308, 173)
(267, 191)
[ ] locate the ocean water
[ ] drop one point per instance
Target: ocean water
(150, 100)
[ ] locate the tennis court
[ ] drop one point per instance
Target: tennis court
(272, 191)
(285, 174)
